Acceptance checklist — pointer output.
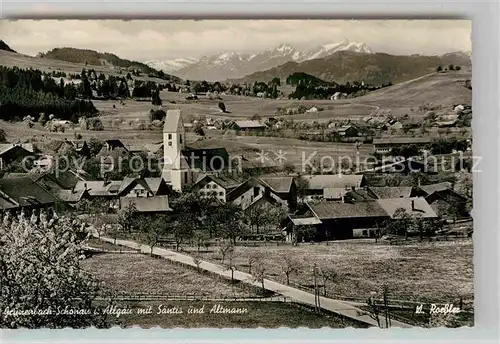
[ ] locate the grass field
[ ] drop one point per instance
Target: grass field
(423, 272)
(137, 273)
(258, 314)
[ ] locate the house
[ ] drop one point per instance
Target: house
(142, 187)
(294, 223)
(146, 205)
(444, 200)
(340, 220)
(394, 192)
(274, 190)
(348, 131)
(215, 186)
(248, 125)
(384, 145)
(111, 145)
(317, 183)
(414, 206)
(182, 165)
(25, 193)
(14, 152)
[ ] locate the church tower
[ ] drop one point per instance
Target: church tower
(176, 171)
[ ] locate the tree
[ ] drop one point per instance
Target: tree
(3, 137)
(222, 106)
(302, 188)
(230, 264)
(198, 129)
(40, 269)
(439, 69)
(195, 88)
(260, 272)
(43, 119)
(126, 217)
(151, 229)
(451, 67)
(457, 68)
(253, 258)
(197, 261)
(225, 247)
(200, 238)
(463, 184)
(289, 266)
(327, 274)
(401, 222)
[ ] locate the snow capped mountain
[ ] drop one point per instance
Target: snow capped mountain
(231, 65)
(345, 45)
(169, 66)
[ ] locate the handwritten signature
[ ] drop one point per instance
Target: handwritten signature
(437, 309)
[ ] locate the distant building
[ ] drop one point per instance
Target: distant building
(14, 152)
(385, 145)
(249, 125)
(348, 131)
(316, 184)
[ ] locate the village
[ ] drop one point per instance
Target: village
(322, 203)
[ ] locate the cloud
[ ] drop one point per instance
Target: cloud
(162, 39)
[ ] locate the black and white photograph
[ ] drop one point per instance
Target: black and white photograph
(236, 173)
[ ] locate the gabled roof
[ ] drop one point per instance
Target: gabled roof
(243, 187)
(392, 192)
(7, 147)
(172, 121)
(338, 210)
(225, 182)
(429, 189)
(278, 184)
(420, 206)
(324, 181)
(24, 191)
(147, 204)
(154, 184)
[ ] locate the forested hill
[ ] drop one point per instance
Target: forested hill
(4, 46)
(92, 57)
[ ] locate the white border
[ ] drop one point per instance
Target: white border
(486, 125)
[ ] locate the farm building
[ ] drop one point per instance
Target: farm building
(13, 152)
(215, 186)
(248, 125)
(317, 183)
(384, 145)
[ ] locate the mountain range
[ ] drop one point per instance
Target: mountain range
(375, 68)
(231, 65)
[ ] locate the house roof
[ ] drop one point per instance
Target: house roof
(401, 140)
(70, 196)
(250, 124)
(420, 206)
(338, 210)
(429, 189)
(334, 193)
(225, 182)
(242, 188)
(172, 120)
(392, 192)
(98, 188)
(278, 184)
(24, 191)
(324, 181)
(360, 195)
(304, 221)
(146, 204)
(5, 147)
(206, 159)
(154, 184)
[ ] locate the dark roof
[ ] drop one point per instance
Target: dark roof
(338, 210)
(360, 195)
(401, 140)
(207, 159)
(25, 192)
(242, 188)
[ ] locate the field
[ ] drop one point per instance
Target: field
(422, 272)
(137, 273)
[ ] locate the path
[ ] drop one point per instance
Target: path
(336, 306)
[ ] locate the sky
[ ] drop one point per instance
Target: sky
(145, 40)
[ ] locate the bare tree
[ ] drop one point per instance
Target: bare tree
(197, 261)
(253, 258)
(224, 249)
(230, 263)
(327, 274)
(259, 273)
(289, 266)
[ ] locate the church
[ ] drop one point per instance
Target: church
(183, 166)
